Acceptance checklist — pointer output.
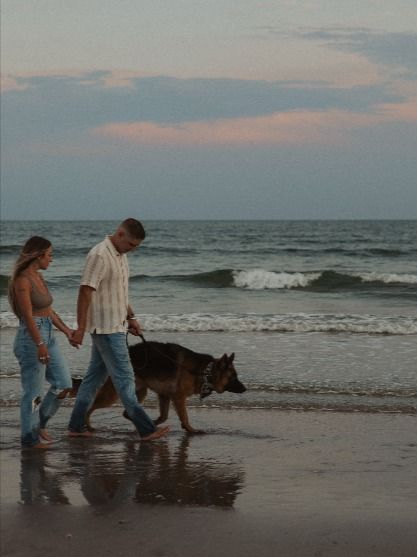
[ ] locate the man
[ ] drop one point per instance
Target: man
(104, 311)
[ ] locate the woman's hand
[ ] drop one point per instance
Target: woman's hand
(68, 333)
(43, 355)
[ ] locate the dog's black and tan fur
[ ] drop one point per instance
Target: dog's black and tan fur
(174, 373)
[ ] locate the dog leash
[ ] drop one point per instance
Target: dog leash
(145, 342)
(146, 351)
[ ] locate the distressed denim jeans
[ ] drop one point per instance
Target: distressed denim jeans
(35, 408)
(110, 356)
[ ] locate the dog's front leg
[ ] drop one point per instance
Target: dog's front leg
(163, 409)
(181, 409)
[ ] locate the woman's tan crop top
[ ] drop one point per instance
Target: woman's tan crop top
(40, 300)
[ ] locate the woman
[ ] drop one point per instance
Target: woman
(35, 346)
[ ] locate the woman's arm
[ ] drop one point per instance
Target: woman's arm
(60, 325)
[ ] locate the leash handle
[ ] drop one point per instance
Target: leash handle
(140, 335)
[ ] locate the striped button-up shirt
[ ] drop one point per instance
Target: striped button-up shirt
(107, 272)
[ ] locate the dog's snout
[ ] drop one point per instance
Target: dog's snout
(235, 386)
(241, 388)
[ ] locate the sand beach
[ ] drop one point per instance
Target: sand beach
(263, 482)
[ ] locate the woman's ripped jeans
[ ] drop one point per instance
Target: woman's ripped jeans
(36, 409)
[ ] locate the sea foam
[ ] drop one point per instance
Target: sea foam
(251, 322)
(260, 279)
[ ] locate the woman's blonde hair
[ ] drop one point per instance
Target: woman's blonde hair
(35, 247)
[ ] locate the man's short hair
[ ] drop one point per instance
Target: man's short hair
(134, 228)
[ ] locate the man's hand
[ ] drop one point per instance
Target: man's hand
(134, 327)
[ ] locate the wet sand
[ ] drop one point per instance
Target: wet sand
(259, 482)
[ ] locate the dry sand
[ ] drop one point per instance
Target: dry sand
(263, 483)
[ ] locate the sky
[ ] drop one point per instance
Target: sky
(214, 109)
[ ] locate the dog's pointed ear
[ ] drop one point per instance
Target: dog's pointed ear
(231, 358)
(224, 360)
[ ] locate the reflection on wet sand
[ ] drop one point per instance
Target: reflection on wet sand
(154, 473)
(39, 484)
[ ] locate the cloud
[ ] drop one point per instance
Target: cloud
(60, 108)
(9, 83)
(290, 128)
(398, 50)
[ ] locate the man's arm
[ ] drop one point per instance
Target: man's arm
(133, 324)
(83, 303)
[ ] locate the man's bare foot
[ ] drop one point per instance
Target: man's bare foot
(85, 433)
(45, 436)
(41, 445)
(159, 432)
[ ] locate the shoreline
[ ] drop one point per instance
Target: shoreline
(271, 482)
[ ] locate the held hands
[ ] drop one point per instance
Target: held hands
(76, 338)
(69, 333)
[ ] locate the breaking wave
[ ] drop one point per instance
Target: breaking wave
(262, 279)
(259, 279)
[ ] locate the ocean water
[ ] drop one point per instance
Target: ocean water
(320, 314)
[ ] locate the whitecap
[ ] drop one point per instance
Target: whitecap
(260, 279)
(387, 278)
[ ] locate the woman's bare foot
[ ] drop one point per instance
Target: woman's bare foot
(159, 432)
(43, 433)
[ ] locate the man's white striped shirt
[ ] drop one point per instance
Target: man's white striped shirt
(107, 272)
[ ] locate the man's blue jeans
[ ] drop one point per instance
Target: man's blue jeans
(36, 409)
(110, 356)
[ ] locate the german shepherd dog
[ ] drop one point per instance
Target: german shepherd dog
(174, 373)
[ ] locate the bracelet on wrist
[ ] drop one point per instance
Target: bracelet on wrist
(40, 343)
(131, 318)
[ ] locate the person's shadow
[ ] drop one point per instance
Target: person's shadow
(150, 473)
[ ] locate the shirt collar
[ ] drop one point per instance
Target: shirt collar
(110, 246)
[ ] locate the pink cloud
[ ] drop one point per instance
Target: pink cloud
(286, 128)
(401, 112)
(10, 83)
(297, 127)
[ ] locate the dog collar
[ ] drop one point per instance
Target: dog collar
(207, 386)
